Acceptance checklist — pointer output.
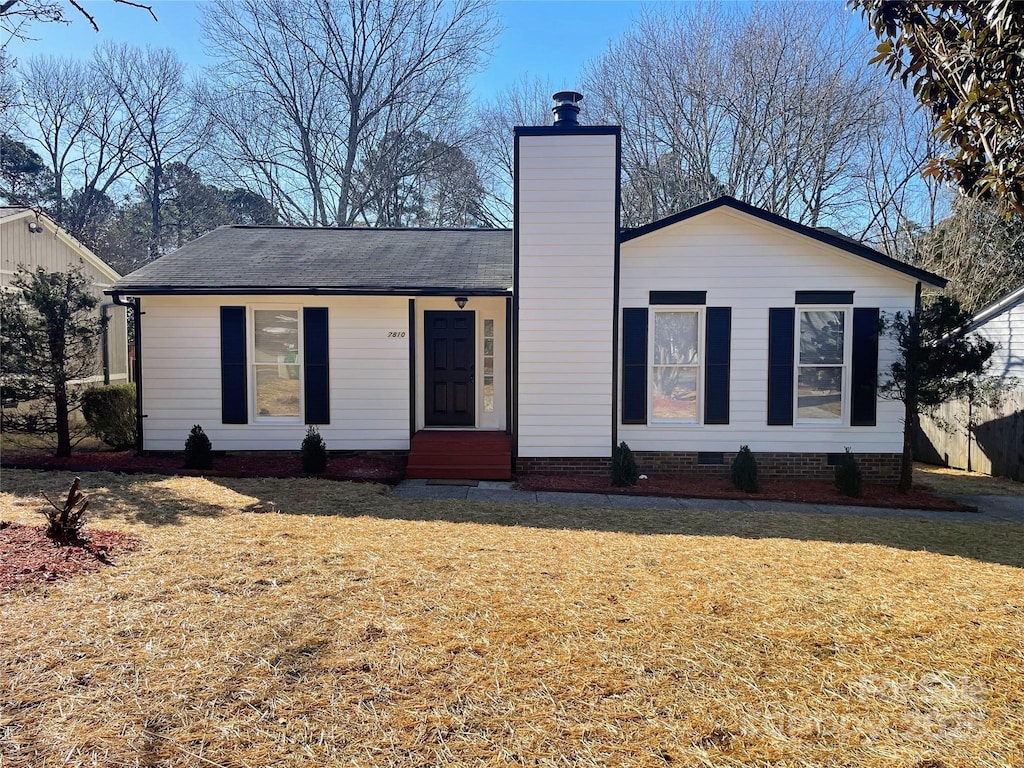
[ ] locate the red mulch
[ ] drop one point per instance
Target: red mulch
(27, 556)
(362, 469)
(804, 491)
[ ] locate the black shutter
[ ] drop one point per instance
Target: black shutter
(781, 326)
(634, 366)
(315, 371)
(234, 398)
(717, 335)
(864, 376)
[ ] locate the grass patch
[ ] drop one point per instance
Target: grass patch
(959, 482)
(303, 622)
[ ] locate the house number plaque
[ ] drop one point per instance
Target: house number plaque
(396, 334)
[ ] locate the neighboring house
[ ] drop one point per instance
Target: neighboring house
(1002, 322)
(539, 348)
(29, 240)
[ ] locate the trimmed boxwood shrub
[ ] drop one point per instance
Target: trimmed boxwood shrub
(314, 452)
(744, 470)
(198, 450)
(848, 475)
(624, 471)
(110, 413)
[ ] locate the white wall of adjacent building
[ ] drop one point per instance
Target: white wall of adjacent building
(1005, 328)
(55, 250)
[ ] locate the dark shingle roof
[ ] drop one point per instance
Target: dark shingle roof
(241, 259)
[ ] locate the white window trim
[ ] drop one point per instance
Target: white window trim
(252, 364)
(844, 417)
(652, 311)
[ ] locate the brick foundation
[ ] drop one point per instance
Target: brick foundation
(876, 467)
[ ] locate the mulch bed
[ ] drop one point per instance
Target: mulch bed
(27, 556)
(803, 491)
(363, 469)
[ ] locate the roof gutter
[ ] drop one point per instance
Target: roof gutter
(134, 303)
(177, 290)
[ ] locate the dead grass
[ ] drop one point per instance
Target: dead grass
(957, 482)
(302, 622)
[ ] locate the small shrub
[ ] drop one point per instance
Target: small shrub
(624, 471)
(744, 470)
(110, 413)
(848, 475)
(65, 521)
(198, 450)
(314, 452)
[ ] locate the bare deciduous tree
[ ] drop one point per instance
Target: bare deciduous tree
(151, 88)
(326, 83)
(526, 102)
(71, 113)
(771, 104)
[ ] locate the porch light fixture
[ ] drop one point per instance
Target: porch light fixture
(461, 301)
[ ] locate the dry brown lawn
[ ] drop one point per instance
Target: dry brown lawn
(954, 482)
(309, 623)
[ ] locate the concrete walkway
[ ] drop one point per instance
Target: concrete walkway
(1004, 509)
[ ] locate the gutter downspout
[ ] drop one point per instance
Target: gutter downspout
(134, 304)
(105, 319)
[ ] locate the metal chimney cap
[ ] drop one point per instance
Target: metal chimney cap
(566, 109)
(568, 97)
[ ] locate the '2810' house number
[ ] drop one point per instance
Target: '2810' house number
(396, 334)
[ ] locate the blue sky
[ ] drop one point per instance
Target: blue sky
(548, 40)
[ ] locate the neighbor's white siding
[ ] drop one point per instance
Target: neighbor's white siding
(369, 374)
(565, 232)
(753, 266)
(56, 252)
(1006, 329)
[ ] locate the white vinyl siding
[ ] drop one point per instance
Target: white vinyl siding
(369, 374)
(752, 266)
(566, 240)
(1006, 330)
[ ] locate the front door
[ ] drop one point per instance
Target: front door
(449, 358)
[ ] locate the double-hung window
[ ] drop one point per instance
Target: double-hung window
(676, 365)
(822, 361)
(277, 364)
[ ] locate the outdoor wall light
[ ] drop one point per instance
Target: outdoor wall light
(461, 301)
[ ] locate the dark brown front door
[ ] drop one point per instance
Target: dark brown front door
(449, 362)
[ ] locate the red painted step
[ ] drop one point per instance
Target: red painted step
(460, 454)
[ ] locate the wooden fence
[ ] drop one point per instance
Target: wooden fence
(995, 446)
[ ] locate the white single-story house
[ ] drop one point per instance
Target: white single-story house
(1002, 322)
(482, 352)
(30, 239)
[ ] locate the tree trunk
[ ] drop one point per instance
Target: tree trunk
(60, 400)
(907, 460)
(154, 233)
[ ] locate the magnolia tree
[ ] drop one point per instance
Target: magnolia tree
(50, 338)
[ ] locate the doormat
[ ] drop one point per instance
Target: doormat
(466, 483)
